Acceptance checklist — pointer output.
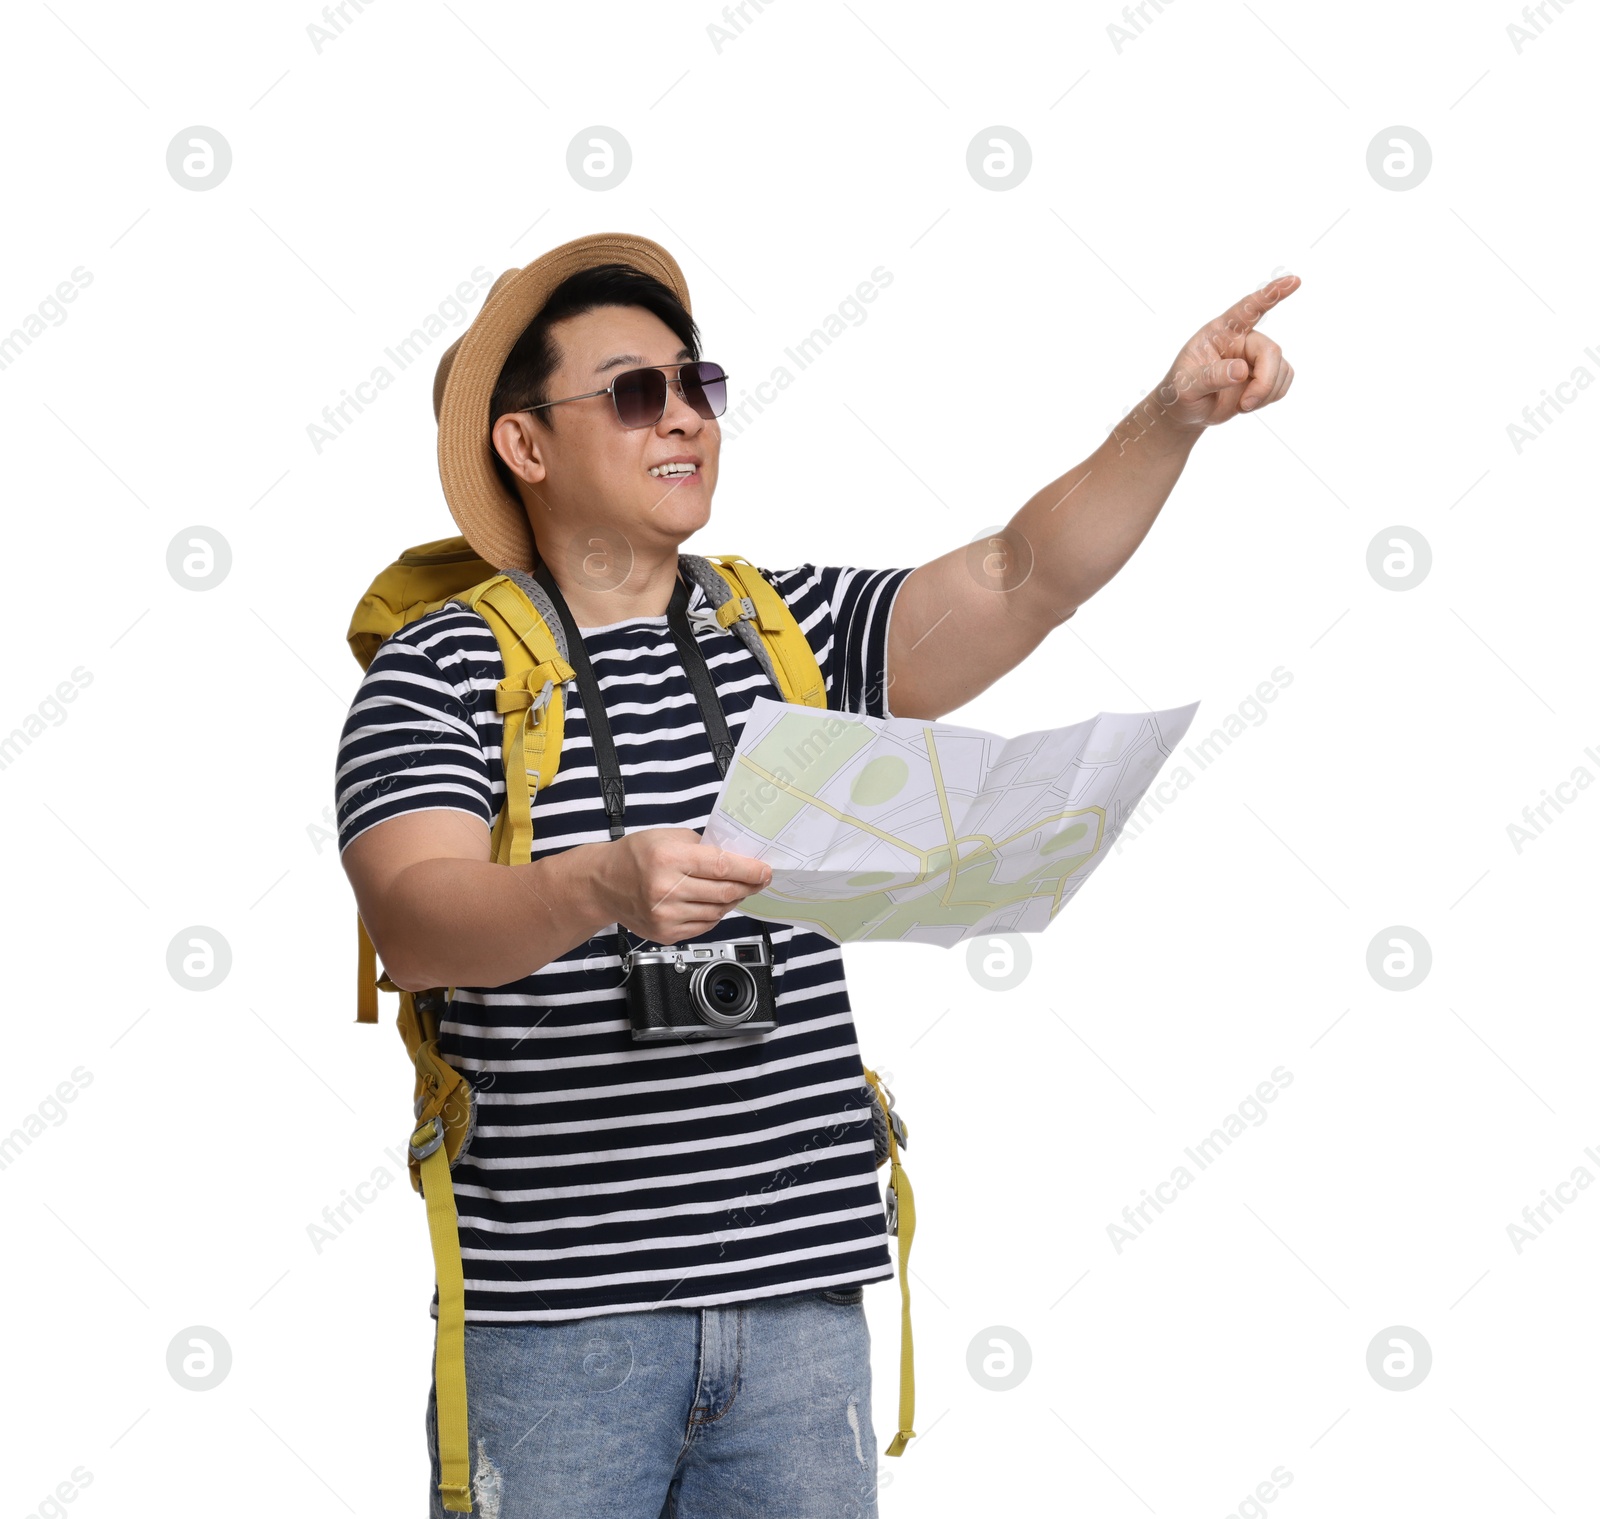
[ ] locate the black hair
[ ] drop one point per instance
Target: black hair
(533, 359)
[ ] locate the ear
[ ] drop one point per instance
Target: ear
(515, 437)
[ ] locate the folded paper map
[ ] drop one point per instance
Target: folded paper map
(894, 828)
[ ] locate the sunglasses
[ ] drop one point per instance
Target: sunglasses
(640, 395)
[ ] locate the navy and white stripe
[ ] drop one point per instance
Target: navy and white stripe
(607, 1176)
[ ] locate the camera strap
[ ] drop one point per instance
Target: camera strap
(705, 689)
(705, 694)
(594, 707)
(612, 790)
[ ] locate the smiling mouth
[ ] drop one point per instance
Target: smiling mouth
(674, 471)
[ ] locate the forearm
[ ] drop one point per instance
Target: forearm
(476, 923)
(1083, 527)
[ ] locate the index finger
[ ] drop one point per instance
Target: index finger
(714, 864)
(1239, 318)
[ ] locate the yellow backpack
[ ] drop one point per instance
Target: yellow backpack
(516, 608)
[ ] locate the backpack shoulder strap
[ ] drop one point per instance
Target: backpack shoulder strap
(757, 613)
(533, 650)
(532, 699)
(903, 1225)
(753, 604)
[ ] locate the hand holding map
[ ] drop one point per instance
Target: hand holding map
(895, 828)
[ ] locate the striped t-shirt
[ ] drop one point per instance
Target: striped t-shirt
(607, 1175)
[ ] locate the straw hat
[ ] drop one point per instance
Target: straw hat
(493, 521)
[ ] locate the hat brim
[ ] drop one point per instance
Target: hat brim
(492, 520)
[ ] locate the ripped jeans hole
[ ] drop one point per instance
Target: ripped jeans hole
(855, 1428)
(487, 1486)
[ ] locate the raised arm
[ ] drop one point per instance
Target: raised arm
(961, 621)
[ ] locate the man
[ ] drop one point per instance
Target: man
(665, 1244)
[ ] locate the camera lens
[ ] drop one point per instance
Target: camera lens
(722, 992)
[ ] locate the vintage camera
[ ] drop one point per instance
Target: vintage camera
(702, 991)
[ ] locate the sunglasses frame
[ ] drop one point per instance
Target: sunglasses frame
(610, 390)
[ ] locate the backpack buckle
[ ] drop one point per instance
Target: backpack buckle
(734, 609)
(427, 1138)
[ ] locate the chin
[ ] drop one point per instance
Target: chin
(679, 519)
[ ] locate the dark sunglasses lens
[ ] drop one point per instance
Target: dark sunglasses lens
(705, 388)
(641, 396)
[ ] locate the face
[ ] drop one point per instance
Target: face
(586, 471)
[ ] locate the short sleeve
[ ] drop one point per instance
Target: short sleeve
(844, 614)
(411, 740)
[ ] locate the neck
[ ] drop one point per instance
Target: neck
(597, 592)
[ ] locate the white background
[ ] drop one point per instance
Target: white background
(189, 782)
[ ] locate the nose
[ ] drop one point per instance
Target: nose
(678, 415)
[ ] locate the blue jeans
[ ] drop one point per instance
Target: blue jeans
(757, 1410)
